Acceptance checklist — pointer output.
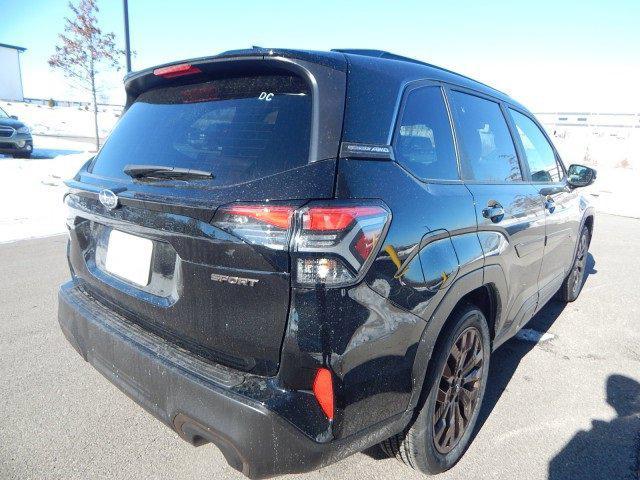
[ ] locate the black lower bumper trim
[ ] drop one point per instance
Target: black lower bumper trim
(195, 398)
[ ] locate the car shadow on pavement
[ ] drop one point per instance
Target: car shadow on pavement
(609, 450)
(44, 153)
(505, 360)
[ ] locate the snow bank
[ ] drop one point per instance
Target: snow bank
(615, 154)
(31, 195)
(63, 121)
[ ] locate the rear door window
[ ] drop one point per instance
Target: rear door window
(240, 129)
(538, 152)
(424, 142)
(487, 150)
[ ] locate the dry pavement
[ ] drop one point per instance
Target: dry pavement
(567, 408)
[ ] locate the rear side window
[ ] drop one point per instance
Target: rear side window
(424, 143)
(487, 150)
(539, 153)
(240, 129)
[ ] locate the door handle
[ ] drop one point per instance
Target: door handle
(494, 212)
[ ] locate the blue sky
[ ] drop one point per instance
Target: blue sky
(550, 55)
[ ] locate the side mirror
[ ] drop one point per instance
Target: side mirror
(15, 117)
(580, 176)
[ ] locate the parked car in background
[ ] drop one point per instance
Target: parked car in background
(15, 136)
(297, 255)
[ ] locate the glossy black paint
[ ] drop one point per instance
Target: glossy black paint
(448, 241)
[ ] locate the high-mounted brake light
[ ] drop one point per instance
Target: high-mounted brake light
(323, 391)
(330, 242)
(176, 70)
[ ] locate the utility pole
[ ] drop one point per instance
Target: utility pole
(127, 46)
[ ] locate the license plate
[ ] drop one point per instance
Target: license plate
(129, 257)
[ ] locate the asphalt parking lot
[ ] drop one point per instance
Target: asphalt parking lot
(566, 408)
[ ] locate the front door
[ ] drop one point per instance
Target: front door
(562, 205)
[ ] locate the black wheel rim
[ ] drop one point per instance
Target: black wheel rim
(577, 274)
(458, 390)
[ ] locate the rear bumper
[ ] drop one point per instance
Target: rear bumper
(193, 397)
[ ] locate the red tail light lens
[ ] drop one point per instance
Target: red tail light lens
(364, 244)
(323, 391)
(334, 218)
(277, 216)
(173, 71)
(331, 243)
(335, 242)
(266, 225)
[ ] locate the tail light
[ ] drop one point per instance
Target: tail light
(266, 225)
(331, 244)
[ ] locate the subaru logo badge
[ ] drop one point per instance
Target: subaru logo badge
(108, 199)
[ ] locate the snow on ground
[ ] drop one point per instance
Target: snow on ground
(534, 336)
(615, 154)
(31, 190)
(63, 121)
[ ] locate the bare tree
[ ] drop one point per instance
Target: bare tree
(84, 49)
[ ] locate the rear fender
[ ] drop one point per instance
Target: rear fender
(457, 290)
(491, 276)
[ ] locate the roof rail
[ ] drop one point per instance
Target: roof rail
(393, 56)
(377, 54)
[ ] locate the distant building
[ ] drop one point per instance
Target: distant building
(591, 120)
(10, 75)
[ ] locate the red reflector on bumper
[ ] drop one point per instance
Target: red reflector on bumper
(323, 390)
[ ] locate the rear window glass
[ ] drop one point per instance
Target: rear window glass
(240, 129)
(424, 143)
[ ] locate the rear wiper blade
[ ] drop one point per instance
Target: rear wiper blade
(163, 171)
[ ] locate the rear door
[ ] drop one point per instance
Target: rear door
(203, 261)
(562, 205)
(509, 211)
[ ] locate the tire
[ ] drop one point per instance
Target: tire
(572, 285)
(419, 446)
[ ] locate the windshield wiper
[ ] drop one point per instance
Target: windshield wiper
(162, 172)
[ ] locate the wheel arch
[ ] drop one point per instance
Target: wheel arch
(471, 288)
(588, 222)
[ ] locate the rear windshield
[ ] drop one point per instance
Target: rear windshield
(239, 129)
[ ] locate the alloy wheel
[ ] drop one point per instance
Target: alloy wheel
(577, 274)
(458, 390)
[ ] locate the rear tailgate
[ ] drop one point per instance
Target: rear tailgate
(268, 130)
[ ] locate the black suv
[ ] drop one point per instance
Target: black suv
(297, 255)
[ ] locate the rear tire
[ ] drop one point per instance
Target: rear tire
(572, 285)
(455, 385)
